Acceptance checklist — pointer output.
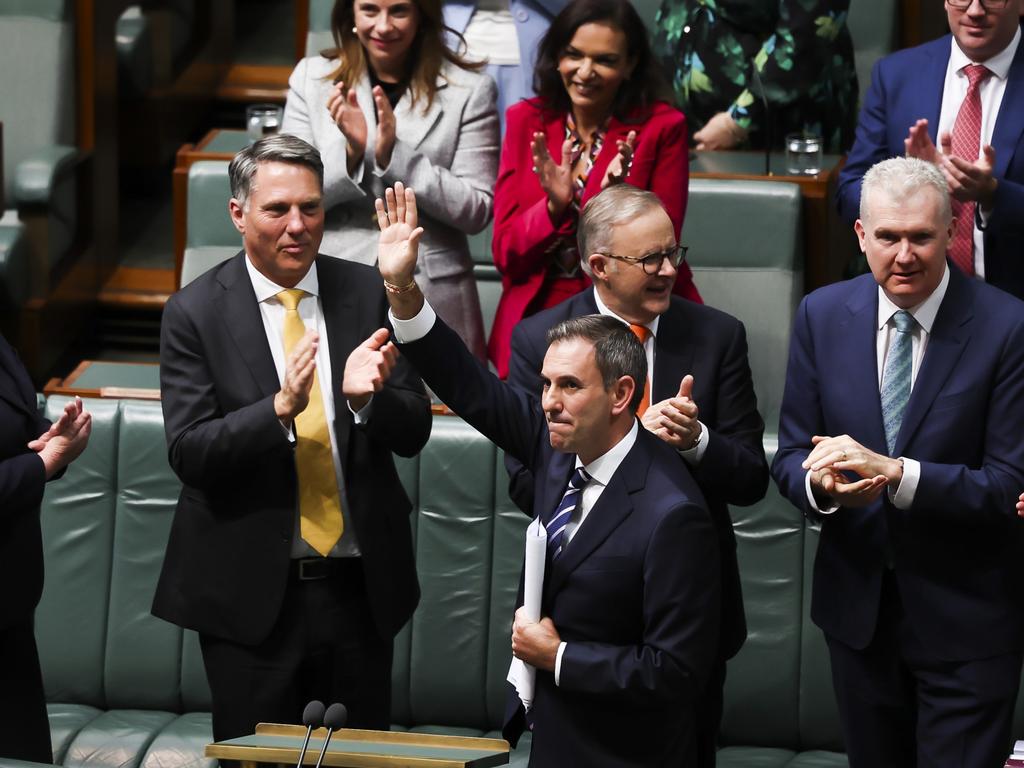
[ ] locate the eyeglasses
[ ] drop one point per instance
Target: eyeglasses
(988, 5)
(652, 261)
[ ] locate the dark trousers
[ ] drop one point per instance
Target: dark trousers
(24, 727)
(709, 716)
(324, 646)
(902, 708)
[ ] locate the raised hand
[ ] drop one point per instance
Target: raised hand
(969, 180)
(399, 235)
(386, 125)
(368, 367)
(675, 419)
(619, 167)
(299, 368)
(343, 107)
(66, 438)
(919, 144)
(555, 179)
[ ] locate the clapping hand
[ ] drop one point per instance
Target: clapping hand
(969, 180)
(832, 457)
(368, 367)
(386, 125)
(343, 107)
(675, 419)
(66, 438)
(299, 369)
(555, 179)
(619, 167)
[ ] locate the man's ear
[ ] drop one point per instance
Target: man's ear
(858, 227)
(237, 215)
(622, 394)
(599, 265)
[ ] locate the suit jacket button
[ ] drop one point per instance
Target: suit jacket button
(522, 15)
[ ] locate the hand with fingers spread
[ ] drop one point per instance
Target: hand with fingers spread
(368, 367)
(299, 368)
(66, 438)
(833, 458)
(675, 419)
(618, 168)
(919, 144)
(969, 179)
(399, 235)
(343, 107)
(555, 179)
(386, 126)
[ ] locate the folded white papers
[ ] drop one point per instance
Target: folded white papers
(520, 674)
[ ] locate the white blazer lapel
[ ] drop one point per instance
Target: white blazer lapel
(411, 124)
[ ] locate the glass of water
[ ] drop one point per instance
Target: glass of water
(262, 120)
(803, 154)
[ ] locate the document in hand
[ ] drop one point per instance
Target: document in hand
(520, 674)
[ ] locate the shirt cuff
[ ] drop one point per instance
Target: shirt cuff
(903, 497)
(363, 414)
(287, 432)
(814, 502)
(415, 328)
(696, 453)
(558, 660)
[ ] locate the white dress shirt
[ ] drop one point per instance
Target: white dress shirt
(692, 455)
(924, 313)
(991, 92)
(272, 311)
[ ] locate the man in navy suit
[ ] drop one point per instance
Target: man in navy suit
(918, 106)
(32, 451)
(702, 400)
(900, 433)
(630, 600)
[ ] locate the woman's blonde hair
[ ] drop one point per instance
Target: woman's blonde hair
(427, 54)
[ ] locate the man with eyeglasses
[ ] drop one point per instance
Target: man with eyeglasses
(700, 398)
(957, 102)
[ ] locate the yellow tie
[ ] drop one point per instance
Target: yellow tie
(320, 522)
(642, 332)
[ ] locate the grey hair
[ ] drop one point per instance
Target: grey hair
(279, 148)
(617, 350)
(900, 178)
(618, 204)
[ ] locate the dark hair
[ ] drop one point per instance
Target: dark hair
(645, 85)
(427, 55)
(617, 350)
(279, 148)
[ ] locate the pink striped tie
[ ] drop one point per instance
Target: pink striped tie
(967, 145)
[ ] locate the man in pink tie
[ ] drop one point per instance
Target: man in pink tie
(957, 102)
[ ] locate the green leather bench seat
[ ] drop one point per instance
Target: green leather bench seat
(127, 690)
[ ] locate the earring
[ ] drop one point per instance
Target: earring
(353, 30)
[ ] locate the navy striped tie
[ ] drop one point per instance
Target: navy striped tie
(896, 376)
(570, 500)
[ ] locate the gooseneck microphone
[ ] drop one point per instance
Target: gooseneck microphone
(312, 717)
(335, 718)
(768, 137)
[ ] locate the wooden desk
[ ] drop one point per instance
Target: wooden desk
(93, 378)
(828, 241)
(351, 748)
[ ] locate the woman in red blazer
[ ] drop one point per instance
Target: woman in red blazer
(598, 111)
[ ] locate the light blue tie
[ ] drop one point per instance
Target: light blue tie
(570, 500)
(896, 376)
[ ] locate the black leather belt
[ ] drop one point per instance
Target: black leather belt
(316, 568)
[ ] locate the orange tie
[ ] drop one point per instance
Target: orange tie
(643, 333)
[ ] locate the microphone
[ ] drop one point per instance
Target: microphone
(335, 718)
(312, 717)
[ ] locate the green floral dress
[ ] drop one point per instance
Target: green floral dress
(802, 51)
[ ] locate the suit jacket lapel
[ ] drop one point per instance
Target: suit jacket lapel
(946, 344)
(240, 313)
(861, 370)
(1008, 125)
(412, 124)
(932, 81)
(611, 509)
(339, 311)
(674, 348)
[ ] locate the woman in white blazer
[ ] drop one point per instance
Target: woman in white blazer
(393, 103)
